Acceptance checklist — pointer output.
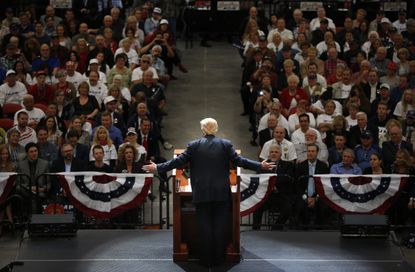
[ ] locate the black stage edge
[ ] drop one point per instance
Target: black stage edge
(141, 250)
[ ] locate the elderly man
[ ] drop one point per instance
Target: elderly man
(362, 125)
(287, 147)
(281, 197)
(151, 24)
(347, 165)
(73, 76)
(12, 91)
(45, 60)
(145, 64)
(267, 133)
(210, 159)
(311, 139)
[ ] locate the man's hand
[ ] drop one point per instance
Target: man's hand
(311, 202)
(266, 165)
(151, 167)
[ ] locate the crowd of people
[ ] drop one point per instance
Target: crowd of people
(90, 87)
(85, 92)
(331, 99)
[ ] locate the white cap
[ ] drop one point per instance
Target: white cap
(131, 130)
(93, 61)
(108, 99)
(385, 20)
(157, 10)
(385, 85)
(9, 72)
(164, 21)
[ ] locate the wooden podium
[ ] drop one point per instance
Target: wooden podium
(185, 236)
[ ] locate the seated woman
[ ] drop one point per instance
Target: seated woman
(291, 95)
(128, 160)
(376, 167)
(85, 104)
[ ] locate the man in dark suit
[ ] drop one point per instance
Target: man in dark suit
(210, 158)
(80, 151)
(281, 197)
(306, 198)
(268, 133)
(35, 186)
(390, 148)
(66, 163)
(362, 125)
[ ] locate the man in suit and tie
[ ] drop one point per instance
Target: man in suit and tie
(210, 158)
(306, 197)
(395, 143)
(281, 197)
(37, 186)
(80, 151)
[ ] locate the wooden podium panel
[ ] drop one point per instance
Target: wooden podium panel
(185, 236)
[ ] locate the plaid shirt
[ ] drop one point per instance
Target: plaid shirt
(330, 66)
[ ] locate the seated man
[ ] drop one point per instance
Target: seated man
(281, 197)
(98, 164)
(365, 150)
(287, 147)
(311, 139)
(37, 186)
(306, 197)
(347, 165)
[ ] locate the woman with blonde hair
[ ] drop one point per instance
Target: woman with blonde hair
(403, 63)
(276, 44)
(102, 137)
(407, 103)
(6, 165)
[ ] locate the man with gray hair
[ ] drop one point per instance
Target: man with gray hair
(210, 159)
(347, 165)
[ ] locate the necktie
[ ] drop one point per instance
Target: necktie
(145, 143)
(311, 187)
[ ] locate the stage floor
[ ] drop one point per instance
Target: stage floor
(150, 250)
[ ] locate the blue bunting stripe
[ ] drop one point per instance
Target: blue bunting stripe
(359, 194)
(255, 190)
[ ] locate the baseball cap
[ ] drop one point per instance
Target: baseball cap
(93, 61)
(392, 66)
(157, 10)
(366, 134)
(130, 131)
(108, 99)
(10, 72)
(385, 85)
(385, 20)
(164, 21)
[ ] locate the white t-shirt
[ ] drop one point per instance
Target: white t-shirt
(282, 121)
(350, 122)
(298, 137)
(287, 149)
(132, 55)
(401, 27)
(76, 79)
(322, 47)
(315, 23)
(138, 73)
(35, 114)
(399, 111)
(293, 120)
(338, 110)
(285, 34)
(110, 153)
(100, 91)
(13, 94)
(320, 79)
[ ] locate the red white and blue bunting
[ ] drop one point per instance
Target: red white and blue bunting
(107, 195)
(7, 180)
(255, 190)
(359, 194)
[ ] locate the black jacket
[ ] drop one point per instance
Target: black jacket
(301, 172)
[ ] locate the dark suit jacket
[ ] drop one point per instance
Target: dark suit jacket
(301, 171)
(355, 134)
(77, 165)
(389, 152)
(153, 146)
(82, 152)
(366, 89)
(118, 122)
(285, 177)
(210, 158)
(42, 167)
(264, 136)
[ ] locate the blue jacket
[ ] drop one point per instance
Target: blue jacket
(209, 158)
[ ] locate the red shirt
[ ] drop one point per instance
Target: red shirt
(43, 95)
(285, 97)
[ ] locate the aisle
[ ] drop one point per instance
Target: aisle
(210, 89)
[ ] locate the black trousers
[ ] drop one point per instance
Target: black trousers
(212, 220)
